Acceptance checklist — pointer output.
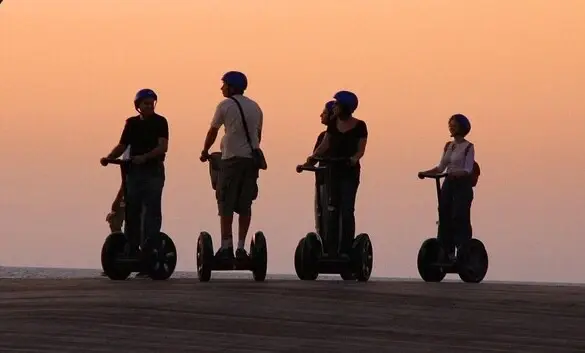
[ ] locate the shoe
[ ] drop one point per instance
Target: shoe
(142, 275)
(241, 255)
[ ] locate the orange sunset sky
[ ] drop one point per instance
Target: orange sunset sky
(69, 70)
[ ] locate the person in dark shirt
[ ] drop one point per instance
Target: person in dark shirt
(320, 197)
(346, 137)
(147, 134)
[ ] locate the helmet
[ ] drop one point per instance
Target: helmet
(235, 79)
(347, 99)
(464, 123)
(144, 93)
(329, 106)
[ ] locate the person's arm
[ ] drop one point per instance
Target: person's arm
(260, 123)
(217, 121)
(323, 146)
(468, 161)
(441, 166)
(363, 141)
(163, 140)
(123, 144)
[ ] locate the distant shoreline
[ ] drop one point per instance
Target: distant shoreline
(32, 272)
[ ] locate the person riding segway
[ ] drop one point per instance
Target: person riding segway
(143, 179)
(454, 249)
(336, 249)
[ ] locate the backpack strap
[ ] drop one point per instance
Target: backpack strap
(467, 148)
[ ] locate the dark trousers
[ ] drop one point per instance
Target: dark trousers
(345, 190)
(144, 187)
(455, 213)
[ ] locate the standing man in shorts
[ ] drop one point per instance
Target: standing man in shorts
(237, 184)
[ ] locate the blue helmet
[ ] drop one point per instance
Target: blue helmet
(329, 106)
(347, 99)
(464, 123)
(235, 79)
(144, 93)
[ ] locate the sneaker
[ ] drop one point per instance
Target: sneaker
(241, 254)
(225, 254)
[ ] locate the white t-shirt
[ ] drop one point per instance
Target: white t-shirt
(455, 158)
(234, 142)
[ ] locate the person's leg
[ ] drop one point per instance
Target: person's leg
(349, 188)
(248, 192)
(462, 199)
(151, 213)
(134, 200)
(445, 229)
(226, 194)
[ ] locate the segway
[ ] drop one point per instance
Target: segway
(257, 259)
(157, 260)
(324, 253)
(470, 261)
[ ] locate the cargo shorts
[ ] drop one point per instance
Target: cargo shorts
(237, 186)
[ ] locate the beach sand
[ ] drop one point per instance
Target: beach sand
(240, 315)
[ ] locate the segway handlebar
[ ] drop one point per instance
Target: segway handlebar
(311, 168)
(433, 176)
(117, 161)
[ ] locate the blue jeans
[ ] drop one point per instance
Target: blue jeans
(144, 187)
(455, 213)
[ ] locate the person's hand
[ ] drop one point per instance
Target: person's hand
(204, 156)
(139, 159)
(104, 161)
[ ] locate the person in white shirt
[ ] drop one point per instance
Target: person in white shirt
(456, 193)
(237, 185)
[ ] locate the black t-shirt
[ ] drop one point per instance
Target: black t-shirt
(346, 144)
(142, 134)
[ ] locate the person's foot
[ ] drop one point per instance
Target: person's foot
(241, 254)
(225, 254)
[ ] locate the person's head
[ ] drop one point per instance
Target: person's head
(234, 82)
(459, 125)
(346, 103)
(327, 112)
(145, 101)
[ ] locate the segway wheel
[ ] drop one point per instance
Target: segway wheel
(362, 257)
(259, 256)
(305, 271)
(161, 258)
(114, 246)
(347, 276)
(472, 261)
(430, 252)
(204, 257)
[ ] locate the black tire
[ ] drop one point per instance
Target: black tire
(259, 256)
(204, 257)
(307, 256)
(161, 259)
(113, 247)
(430, 252)
(472, 261)
(362, 257)
(347, 276)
